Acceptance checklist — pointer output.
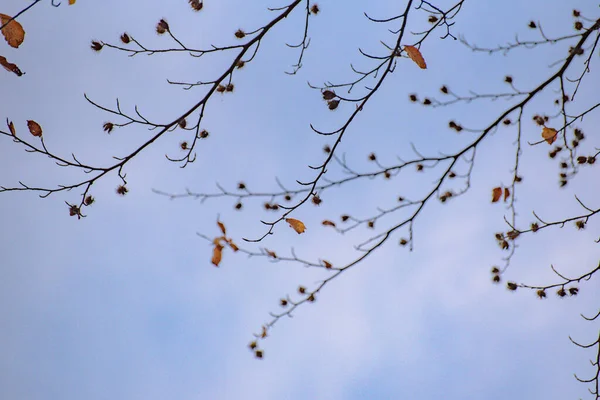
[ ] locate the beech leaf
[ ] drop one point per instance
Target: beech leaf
(10, 66)
(13, 32)
(496, 194)
(297, 225)
(416, 56)
(217, 253)
(34, 128)
(549, 134)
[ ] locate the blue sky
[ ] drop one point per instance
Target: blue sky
(125, 303)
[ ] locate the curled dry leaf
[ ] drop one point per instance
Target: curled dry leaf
(271, 253)
(10, 66)
(297, 225)
(71, 2)
(34, 128)
(11, 127)
(263, 333)
(232, 245)
(416, 56)
(217, 253)
(328, 223)
(496, 194)
(13, 32)
(506, 193)
(222, 227)
(327, 264)
(549, 135)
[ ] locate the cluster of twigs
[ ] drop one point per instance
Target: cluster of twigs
(453, 171)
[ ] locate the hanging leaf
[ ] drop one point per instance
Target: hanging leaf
(10, 67)
(232, 245)
(506, 193)
(13, 32)
(34, 128)
(11, 127)
(217, 253)
(222, 227)
(328, 223)
(496, 194)
(549, 134)
(71, 2)
(416, 56)
(327, 264)
(297, 225)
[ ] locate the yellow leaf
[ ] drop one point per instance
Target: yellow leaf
(328, 223)
(549, 134)
(416, 56)
(13, 32)
(34, 128)
(297, 225)
(217, 253)
(71, 2)
(222, 227)
(496, 194)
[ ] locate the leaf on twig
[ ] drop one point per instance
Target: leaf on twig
(13, 32)
(496, 194)
(217, 253)
(222, 227)
(297, 225)
(549, 134)
(34, 128)
(328, 223)
(71, 2)
(506, 194)
(416, 56)
(11, 127)
(10, 67)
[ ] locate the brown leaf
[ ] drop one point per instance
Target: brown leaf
(34, 128)
(263, 333)
(11, 127)
(328, 223)
(297, 225)
(416, 56)
(222, 227)
(217, 253)
(327, 264)
(13, 32)
(496, 194)
(506, 193)
(232, 245)
(71, 2)
(549, 134)
(10, 67)
(271, 253)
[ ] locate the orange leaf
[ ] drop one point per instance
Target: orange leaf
(34, 128)
(13, 32)
(11, 127)
(416, 56)
(549, 134)
(271, 253)
(327, 264)
(297, 225)
(217, 253)
(496, 194)
(217, 240)
(328, 223)
(71, 2)
(506, 193)
(10, 67)
(222, 227)
(232, 245)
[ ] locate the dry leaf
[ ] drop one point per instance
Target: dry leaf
(416, 56)
(11, 127)
(263, 334)
(549, 134)
(271, 253)
(222, 227)
(71, 2)
(327, 264)
(217, 240)
(297, 225)
(13, 32)
(496, 194)
(34, 128)
(506, 193)
(232, 245)
(328, 223)
(217, 253)
(10, 67)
